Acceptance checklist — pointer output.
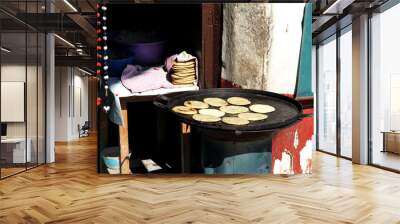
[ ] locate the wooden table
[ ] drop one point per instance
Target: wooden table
(20, 153)
(124, 129)
(391, 141)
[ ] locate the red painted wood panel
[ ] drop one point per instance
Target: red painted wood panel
(284, 140)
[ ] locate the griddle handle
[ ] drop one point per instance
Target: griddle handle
(237, 132)
(160, 105)
(163, 98)
(161, 102)
(301, 117)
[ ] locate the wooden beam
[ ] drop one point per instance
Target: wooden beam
(124, 141)
(211, 45)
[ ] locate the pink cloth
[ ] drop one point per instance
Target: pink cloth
(169, 62)
(138, 80)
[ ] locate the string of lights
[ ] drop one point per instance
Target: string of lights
(102, 56)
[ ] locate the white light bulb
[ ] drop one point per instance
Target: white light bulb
(105, 47)
(104, 28)
(106, 57)
(106, 67)
(106, 87)
(104, 8)
(104, 18)
(106, 77)
(104, 37)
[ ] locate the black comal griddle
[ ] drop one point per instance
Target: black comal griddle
(287, 111)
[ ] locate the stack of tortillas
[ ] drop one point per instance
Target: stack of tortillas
(184, 69)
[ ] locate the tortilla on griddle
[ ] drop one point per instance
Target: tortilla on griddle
(239, 101)
(235, 121)
(253, 116)
(195, 104)
(184, 110)
(233, 109)
(262, 108)
(215, 101)
(206, 118)
(212, 112)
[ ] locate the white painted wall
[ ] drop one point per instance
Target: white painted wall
(62, 81)
(285, 47)
(33, 127)
(14, 73)
(80, 96)
(71, 102)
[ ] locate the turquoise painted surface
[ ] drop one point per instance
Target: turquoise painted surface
(249, 163)
(304, 87)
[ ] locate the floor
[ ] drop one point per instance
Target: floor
(10, 171)
(71, 191)
(5, 172)
(387, 159)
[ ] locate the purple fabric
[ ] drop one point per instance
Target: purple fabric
(138, 80)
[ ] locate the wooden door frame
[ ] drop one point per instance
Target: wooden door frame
(210, 68)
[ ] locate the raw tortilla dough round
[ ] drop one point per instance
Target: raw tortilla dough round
(240, 101)
(234, 109)
(253, 116)
(184, 110)
(205, 118)
(235, 120)
(262, 108)
(212, 112)
(195, 104)
(215, 101)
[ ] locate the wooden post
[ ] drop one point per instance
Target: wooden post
(124, 141)
(211, 45)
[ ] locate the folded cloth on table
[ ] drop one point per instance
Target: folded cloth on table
(118, 90)
(137, 80)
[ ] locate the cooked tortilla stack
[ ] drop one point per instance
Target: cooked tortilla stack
(184, 73)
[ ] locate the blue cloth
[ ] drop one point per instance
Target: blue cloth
(117, 66)
(115, 114)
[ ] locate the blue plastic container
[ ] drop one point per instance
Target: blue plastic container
(111, 162)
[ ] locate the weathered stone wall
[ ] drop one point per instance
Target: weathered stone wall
(245, 43)
(261, 45)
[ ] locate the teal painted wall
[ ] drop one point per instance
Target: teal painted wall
(304, 87)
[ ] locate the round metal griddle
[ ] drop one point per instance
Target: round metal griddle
(287, 111)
